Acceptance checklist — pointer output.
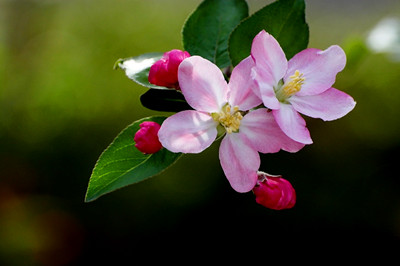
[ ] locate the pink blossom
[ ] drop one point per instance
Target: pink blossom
(164, 72)
(301, 85)
(222, 107)
(274, 192)
(146, 137)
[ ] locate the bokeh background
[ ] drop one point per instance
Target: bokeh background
(61, 104)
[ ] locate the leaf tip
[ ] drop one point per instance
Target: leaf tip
(88, 197)
(117, 64)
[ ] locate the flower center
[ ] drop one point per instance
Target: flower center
(228, 118)
(292, 86)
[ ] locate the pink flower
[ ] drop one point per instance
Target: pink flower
(302, 85)
(222, 107)
(164, 72)
(274, 192)
(146, 137)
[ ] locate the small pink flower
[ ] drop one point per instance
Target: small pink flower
(146, 137)
(226, 108)
(274, 192)
(164, 72)
(300, 85)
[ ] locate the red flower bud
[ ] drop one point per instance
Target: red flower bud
(274, 192)
(146, 137)
(164, 72)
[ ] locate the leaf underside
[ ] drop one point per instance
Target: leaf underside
(137, 68)
(164, 100)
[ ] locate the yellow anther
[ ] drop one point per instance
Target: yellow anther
(228, 119)
(294, 85)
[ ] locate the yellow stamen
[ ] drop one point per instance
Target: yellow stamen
(228, 119)
(294, 85)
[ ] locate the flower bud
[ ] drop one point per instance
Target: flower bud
(164, 72)
(146, 137)
(274, 192)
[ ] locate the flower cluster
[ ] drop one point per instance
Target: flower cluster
(257, 111)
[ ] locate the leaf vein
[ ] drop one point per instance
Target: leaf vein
(125, 146)
(112, 180)
(114, 161)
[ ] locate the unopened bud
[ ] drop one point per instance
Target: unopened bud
(146, 137)
(274, 192)
(164, 72)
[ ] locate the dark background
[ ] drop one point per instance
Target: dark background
(61, 104)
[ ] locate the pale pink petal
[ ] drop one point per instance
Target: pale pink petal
(241, 86)
(265, 135)
(269, 57)
(292, 124)
(239, 161)
(319, 68)
(188, 132)
(270, 66)
(264, 90)
(203, 84)
(329, 105)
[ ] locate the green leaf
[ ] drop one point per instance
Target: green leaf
(137, 68)
(164, 100)
(206, 31)
(284, 19)
(122, 164)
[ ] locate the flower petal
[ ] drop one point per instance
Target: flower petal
(264, 90)
(319, 68)
(241, 86)
(203, 84)
(269, 57)
(292, 124)
(188, 132)
(270, 66)
(239, 161)
(265, 135)
(329, 105)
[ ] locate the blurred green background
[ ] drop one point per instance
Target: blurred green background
(61, 104)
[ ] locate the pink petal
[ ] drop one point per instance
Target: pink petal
(188, 132)
(239, 161)
(265, 135)
(269, 57)
(241, 86)
(329, 105)
(292, 124)
(264, 90)
(319, 68)
(203, 84)
(270, 66)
